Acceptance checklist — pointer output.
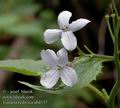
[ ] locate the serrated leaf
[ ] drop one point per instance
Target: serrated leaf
(86, 67)
(26, 67)
(40, 88)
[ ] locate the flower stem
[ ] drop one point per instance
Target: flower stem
(114, 6)
(98, 93)
(105, 94)
(99, 56)
(113, 21)
(109, 27)
(88, 49)
(117, 65)
(80, 51)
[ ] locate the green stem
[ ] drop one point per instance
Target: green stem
(105, 94)
(114, 6)
(113, 95)
(109, 27)
(80, 51)
(113, 21)
(111, 7)
(98, 93)
(88, 49)
(99, 56)
(117, 65)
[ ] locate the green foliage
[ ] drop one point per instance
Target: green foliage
(86, 67)
(25, 18)
(17, 6)
(26, 67)
(25, 29)
(26, 9)
(17, 18)
(7, 21)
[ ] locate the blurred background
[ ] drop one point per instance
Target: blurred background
(22, 24)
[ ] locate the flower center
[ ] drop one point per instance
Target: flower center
(59, 67)
(65, 29)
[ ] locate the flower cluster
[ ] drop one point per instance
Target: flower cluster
(58, 63)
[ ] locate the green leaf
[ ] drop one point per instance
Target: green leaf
(40, 88)
(86, 67)
(26, 67)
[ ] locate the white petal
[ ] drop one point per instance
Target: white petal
(62, 57)
(78, 24)
(63, 19)
(50, 78)
(52, 35)
(49, 57)
(69, 40)
(69, 76)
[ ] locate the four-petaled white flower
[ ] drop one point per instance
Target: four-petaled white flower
(66, 30)
(59, 68)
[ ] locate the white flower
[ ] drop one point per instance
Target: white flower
(59, 68)
(65, 33)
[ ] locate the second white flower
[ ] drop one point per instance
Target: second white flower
(58, 69)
